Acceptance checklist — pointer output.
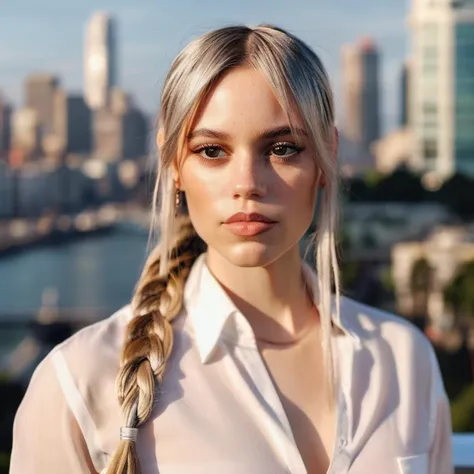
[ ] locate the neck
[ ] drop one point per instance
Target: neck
(274, 298)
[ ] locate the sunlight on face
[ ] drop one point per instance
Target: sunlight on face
(242, 157)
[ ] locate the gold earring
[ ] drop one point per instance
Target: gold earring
(177, 201)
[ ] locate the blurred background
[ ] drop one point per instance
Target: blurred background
(79, 91)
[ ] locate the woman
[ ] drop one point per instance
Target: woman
(235, 356)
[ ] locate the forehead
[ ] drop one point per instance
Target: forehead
(243, 102)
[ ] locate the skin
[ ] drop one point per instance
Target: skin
(278, 177)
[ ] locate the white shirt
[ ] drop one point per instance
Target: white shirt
(219, 411)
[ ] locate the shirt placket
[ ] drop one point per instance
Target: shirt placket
(274, 416)
(342, 458)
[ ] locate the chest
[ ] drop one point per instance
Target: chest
(298, 375)
(263, 412)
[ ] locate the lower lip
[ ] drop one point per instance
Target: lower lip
(249, 228)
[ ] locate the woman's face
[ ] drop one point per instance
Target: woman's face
(241, 157)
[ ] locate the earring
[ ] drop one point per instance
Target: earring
(177, 201)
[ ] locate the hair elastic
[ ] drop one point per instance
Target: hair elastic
(128, 434)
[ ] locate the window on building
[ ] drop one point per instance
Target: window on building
(464, 98)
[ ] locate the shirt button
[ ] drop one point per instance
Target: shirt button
(342, 443)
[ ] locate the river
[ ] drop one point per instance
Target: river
(95, 273)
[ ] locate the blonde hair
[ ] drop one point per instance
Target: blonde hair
(298, 79)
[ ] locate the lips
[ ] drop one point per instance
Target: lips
(250, 224)
(249, 217)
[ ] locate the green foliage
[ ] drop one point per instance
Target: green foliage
(421, 275)
(457, 193)
(420, 285)
(349, 273)
(459, 294)
(462, 411)
(373, 178)
(344, 240)
(386, 279)
(4, 463)
(4, 377)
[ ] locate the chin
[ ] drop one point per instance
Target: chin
(251, 254)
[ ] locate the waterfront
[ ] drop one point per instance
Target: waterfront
(94, 274)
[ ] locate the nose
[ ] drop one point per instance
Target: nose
(248, 176)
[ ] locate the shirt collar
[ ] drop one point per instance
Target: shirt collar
(213, 314)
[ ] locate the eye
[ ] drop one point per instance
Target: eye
(210, 151)
(285, 150)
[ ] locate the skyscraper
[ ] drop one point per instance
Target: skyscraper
(442, 85)
(100, 60)
(361, 92)
(121, 130)
(404, 95)
(5, 128)
(73, 123)
(40, 90)
(26, 133)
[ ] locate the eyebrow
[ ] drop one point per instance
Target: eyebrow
(267, 134)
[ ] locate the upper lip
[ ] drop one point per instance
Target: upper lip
(248, 217)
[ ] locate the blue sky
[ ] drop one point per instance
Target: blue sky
(47, 36)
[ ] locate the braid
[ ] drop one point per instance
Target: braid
(149, 338)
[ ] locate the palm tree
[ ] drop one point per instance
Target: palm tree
(421, 282)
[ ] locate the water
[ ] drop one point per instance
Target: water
(94, 274)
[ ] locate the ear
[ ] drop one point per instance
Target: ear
(160, 140)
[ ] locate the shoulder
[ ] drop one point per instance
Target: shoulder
(99, 339)
(94, 351)
(389, 336)
(76, 383)
(85, 365)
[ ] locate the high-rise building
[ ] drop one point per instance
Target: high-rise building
(40, 90)
(73, 123)
(120, 131)
(100, 60)
(5, 128)
(361, 93)
(6, 191)
(404, 95)
(442, 86)
(26, 133)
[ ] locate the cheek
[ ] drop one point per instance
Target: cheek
(202, 189)
(300, 191)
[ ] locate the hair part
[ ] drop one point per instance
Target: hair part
(300, 82)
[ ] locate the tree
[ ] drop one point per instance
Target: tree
(421, 282)
(462, 411)
(400, 186)
(457, 193)
(459, 294)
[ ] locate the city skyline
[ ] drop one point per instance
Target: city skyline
(150, 37)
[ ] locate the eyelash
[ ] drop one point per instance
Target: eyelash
(298, 149)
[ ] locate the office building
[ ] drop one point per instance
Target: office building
(360, 69)
(73, 123)
(393, 150)
(5, 128)
(7, 191)
(442, 85)
(404, 95)
(26, 133)
(100, 60)
(120, 131)
(40, 91)
(443, 251)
